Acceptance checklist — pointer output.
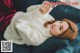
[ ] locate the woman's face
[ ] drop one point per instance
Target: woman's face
(58, 27)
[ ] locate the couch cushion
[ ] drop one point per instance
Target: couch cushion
(65, 11)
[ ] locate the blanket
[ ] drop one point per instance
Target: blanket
(6, 13)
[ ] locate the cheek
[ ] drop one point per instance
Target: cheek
(55, 31)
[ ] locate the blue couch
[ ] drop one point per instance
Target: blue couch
(72, 47)
(51, 45)
(60, 12)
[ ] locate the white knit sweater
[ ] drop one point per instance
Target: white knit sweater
(28, 28)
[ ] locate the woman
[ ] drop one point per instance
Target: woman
(37, 25)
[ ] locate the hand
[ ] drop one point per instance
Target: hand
(45, 7)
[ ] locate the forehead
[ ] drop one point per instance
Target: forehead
(65, 25)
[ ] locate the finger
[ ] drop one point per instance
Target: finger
(42, 6)
(45, 7)
(43, 10)
(49, 7)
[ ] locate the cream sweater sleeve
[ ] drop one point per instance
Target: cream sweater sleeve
(29, 34)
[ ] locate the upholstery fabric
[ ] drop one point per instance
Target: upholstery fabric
(6, 13)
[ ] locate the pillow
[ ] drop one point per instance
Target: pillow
(65, 11)
(50, 45)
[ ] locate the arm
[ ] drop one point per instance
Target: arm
(29, 33)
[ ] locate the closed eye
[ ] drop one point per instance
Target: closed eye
(61, 22)
(61, 28)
